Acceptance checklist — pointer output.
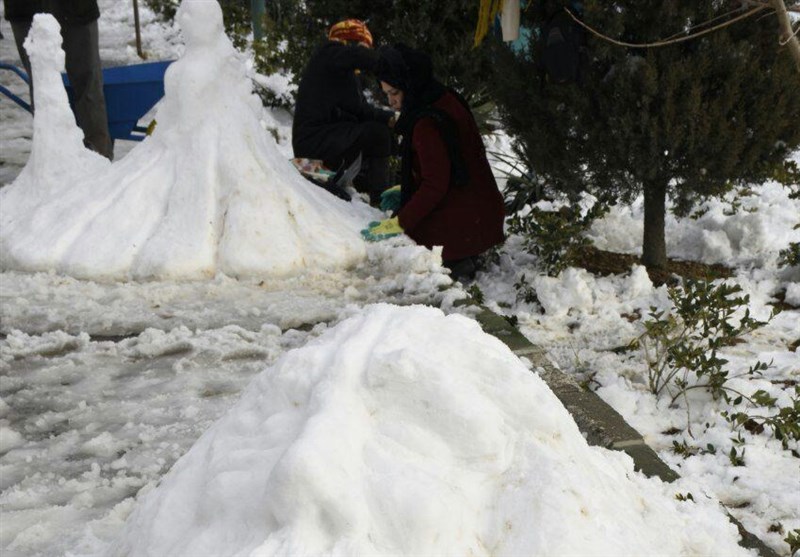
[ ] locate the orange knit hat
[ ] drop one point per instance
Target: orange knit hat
(351, 30)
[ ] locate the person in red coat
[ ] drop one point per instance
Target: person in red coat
(448, 194)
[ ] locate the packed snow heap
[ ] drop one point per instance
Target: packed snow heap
(208, 193)
(402, 431)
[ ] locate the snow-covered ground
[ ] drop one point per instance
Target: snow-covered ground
(105, 384)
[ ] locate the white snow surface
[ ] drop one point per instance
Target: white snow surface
(750, 235)
(405, 431)
(105, 384)
(208, 193)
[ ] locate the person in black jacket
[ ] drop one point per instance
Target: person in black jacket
(333, 121)
(78, 20)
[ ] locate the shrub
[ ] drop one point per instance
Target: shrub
(682, 346)
(523, 187)
(790, 257)
(793, 539)
(784, 422)
(555, 237)
(682, 350)
(165, 8)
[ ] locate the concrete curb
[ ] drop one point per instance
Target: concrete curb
(600, 423)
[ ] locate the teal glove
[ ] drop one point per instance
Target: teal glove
(390, 199)
(377, 231)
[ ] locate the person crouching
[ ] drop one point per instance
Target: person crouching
(448, 194)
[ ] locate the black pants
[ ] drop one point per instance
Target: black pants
(86, 77)
(374, 143)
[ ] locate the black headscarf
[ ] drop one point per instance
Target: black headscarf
(411, 71)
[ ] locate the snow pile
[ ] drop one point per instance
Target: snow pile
(405, 431)
(209, 192)
(745, 228)
(576, 291)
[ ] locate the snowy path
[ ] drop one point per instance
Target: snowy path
(102, 420)
(91, 423)
(41, 302)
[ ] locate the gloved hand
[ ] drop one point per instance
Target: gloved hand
(390, 199)
(377, 231)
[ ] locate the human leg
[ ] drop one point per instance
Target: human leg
(376, 141)
(374, 179)
(86, 77)
(374, 144)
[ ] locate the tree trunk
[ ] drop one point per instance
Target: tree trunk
(787, 33)
(654, 246)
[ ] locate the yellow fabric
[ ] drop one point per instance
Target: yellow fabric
(486, 13)
(388, 226)
(377, 231)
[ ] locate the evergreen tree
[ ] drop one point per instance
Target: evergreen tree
(442, 29)
(688, 120)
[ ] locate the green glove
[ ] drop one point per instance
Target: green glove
(377, 231)
(390, 199)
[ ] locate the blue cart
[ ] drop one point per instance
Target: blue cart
(130, 92)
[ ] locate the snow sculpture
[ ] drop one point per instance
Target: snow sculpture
(209, 192)
(58, 153)
(403, 431)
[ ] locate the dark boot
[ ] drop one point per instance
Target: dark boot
(462, 270)
(374, 178)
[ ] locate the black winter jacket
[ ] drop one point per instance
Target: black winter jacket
(67, 12)
(330, 101)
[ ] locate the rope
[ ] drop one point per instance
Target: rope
(667, 41)
(795, 9)
(785, 41)
(709, 22)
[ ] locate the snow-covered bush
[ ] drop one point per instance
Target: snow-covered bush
(682, 346)
(555, 237)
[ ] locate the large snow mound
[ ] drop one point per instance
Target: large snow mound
(405, 431)
(208, 193)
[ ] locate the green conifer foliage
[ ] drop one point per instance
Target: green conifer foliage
(687, 120)
(442, 29)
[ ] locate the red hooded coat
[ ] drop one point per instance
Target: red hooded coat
(465, 219)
